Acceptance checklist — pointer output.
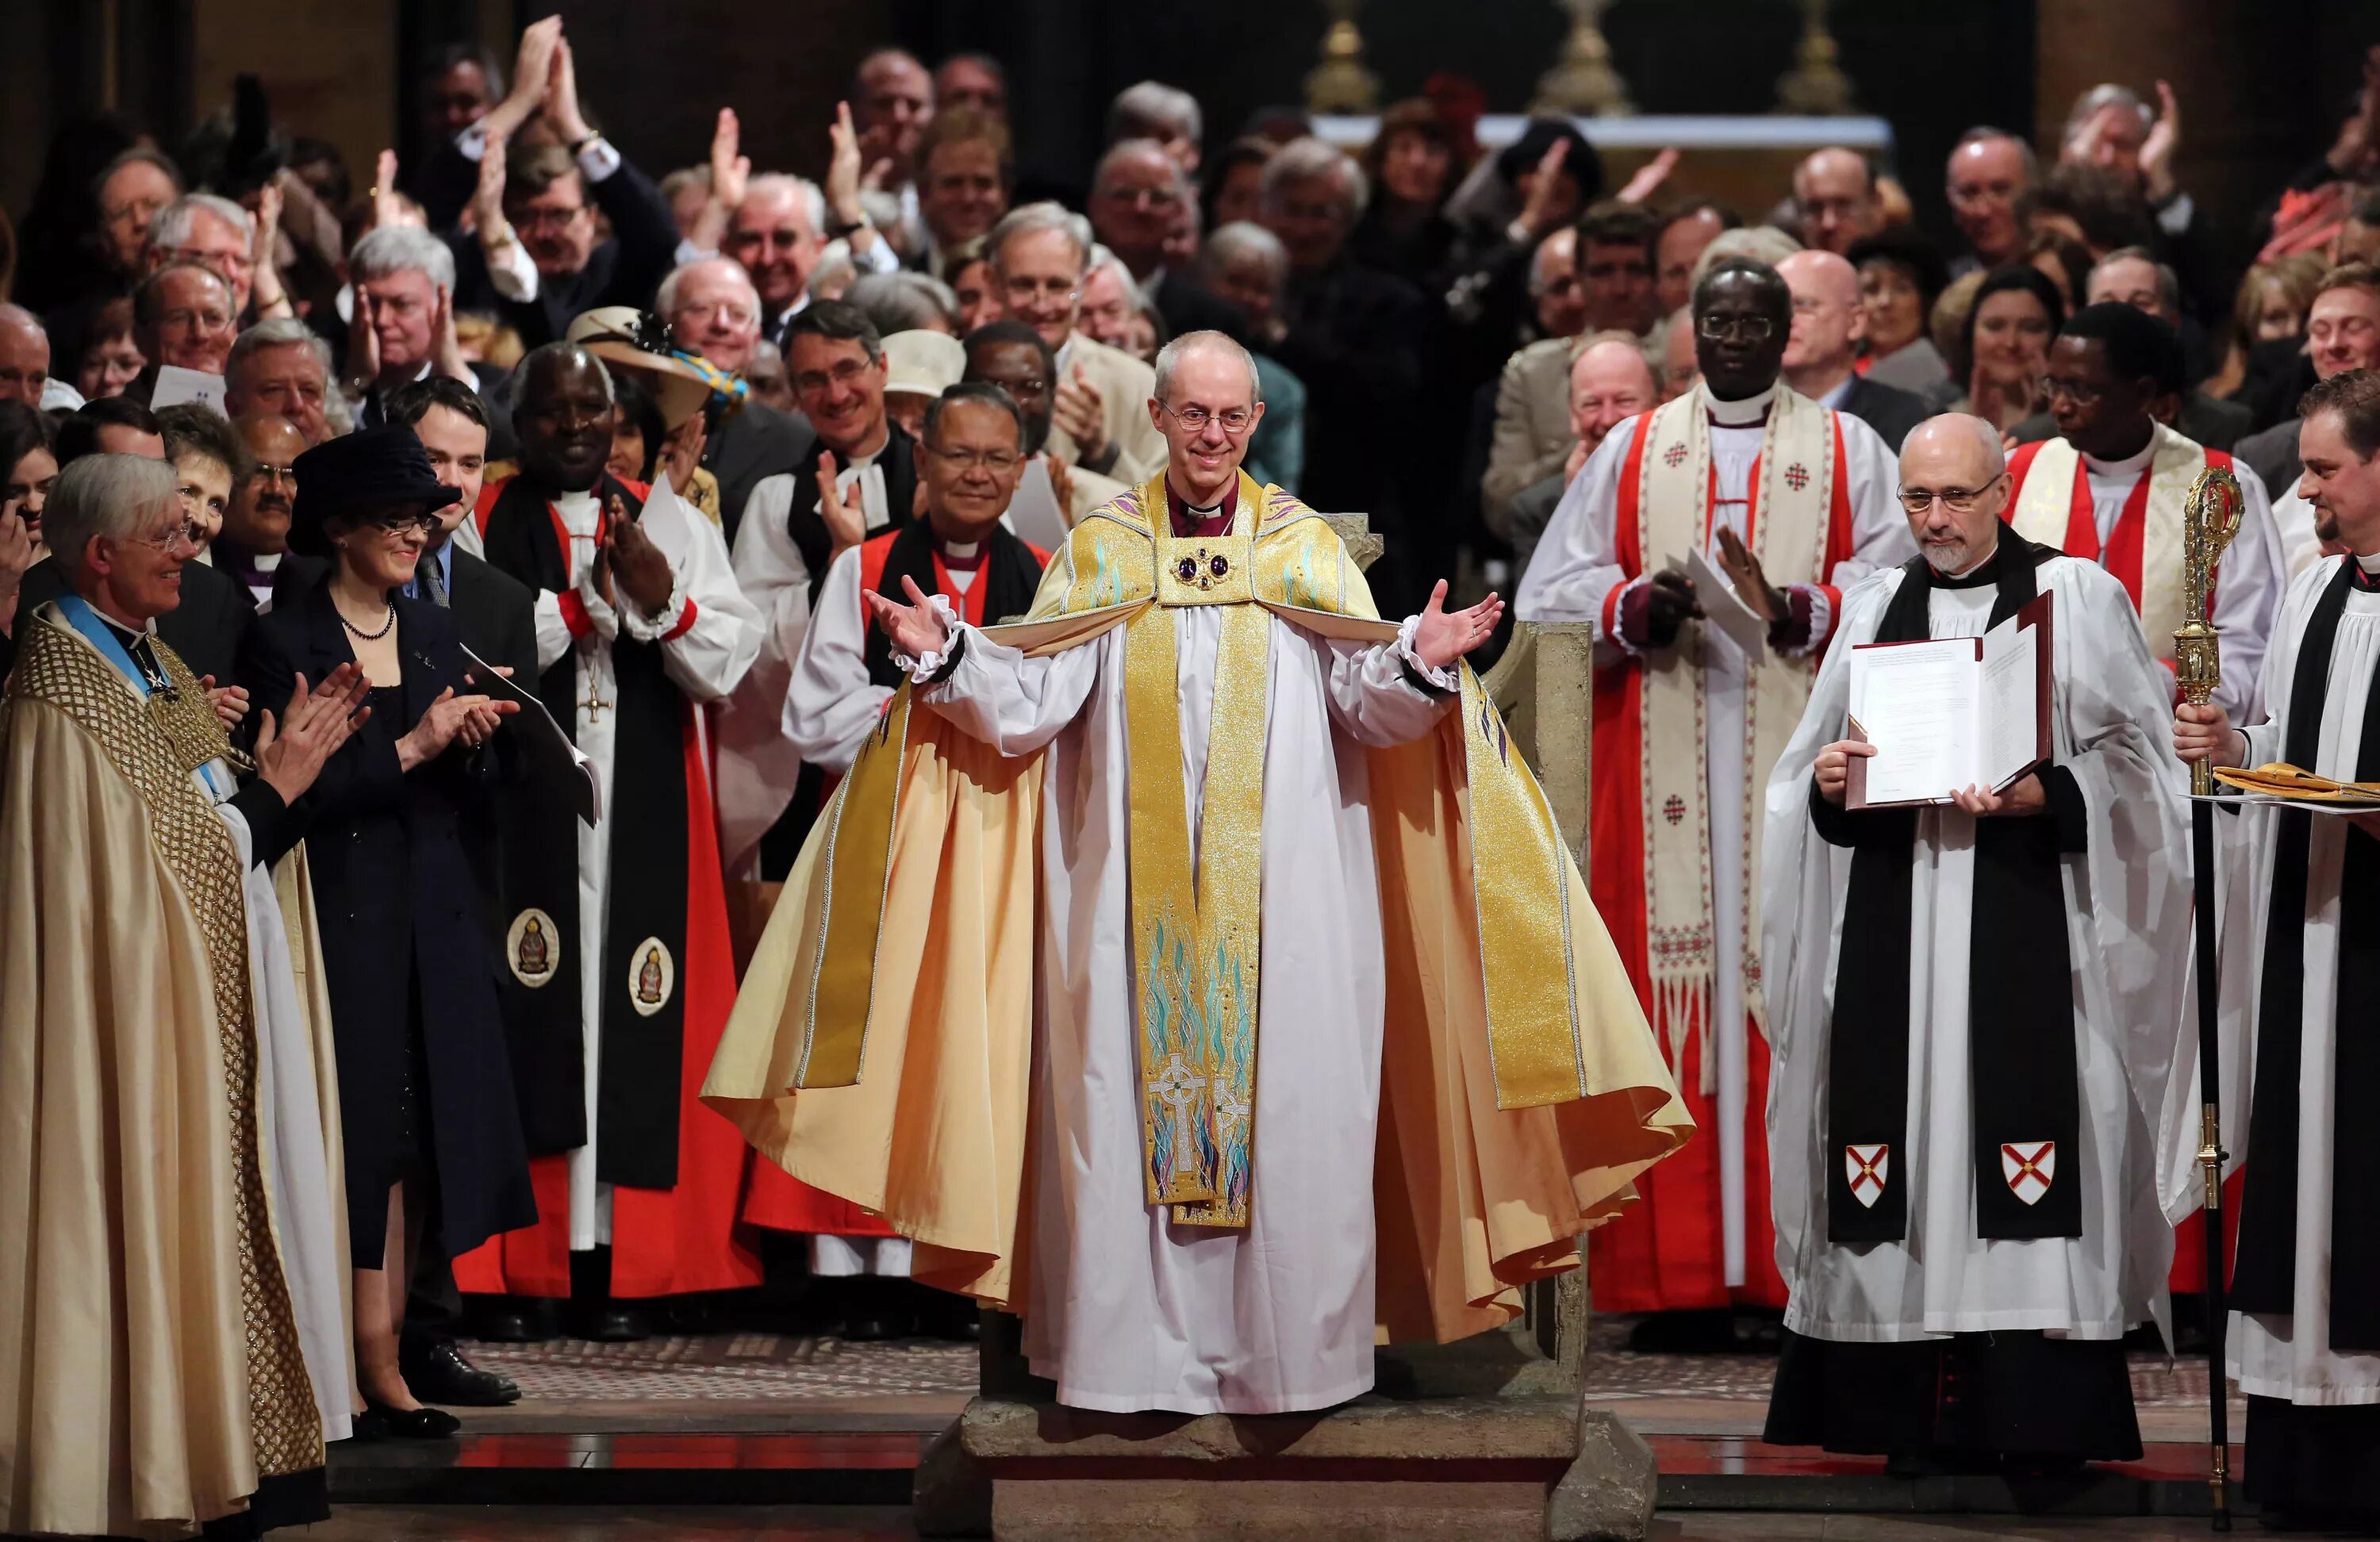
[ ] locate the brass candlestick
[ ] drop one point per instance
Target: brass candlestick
(1581, 81)
(1816, 85)
(1343, 82)
(2210, 517)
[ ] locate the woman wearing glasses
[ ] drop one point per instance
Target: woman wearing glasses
(432, 1136)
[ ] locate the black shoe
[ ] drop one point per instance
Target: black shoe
(407, 1424)
(515, 1319)
(874, 1324)
(610, 1322)
(1708, 1331)
(437, 1372)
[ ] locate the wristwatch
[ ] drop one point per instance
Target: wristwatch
(840, 231)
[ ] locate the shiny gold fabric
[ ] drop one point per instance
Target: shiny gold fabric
(1505, 994)
(149, 1370)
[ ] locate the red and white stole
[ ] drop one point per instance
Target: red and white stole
(1793, 499)
(2143, 552)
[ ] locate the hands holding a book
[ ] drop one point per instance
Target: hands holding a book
(1834, 767)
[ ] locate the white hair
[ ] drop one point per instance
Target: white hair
(1031, 219)
(1153, 104)
(112, 495)
(2098, 98)
(665, 297)
(285, 332)
(170, 229)
(1308, 160)
(1125, 150)
(805, 191)
(1170, 357)
(403, 248)
(1245, 239)
(1760, 243)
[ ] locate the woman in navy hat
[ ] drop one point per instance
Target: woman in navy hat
(432, 1135)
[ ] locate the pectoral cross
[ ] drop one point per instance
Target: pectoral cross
(1177, 1088)
(594, 704)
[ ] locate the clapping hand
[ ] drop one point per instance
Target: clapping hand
(1751, 585)
(289, 755)
(1062, 487)
(1082, 412)
(468, 718)
(916, 628)
(641, 567)
(1537, 213)
(487, 208)
(2156, 150)
(1441, 638)
(230, 701)
(446, 350)
(1649, 177)
(845, 513)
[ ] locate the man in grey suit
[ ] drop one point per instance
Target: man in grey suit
(712, 310)
(1610, 381)
(1827, 326)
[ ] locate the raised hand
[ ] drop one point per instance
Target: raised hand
(2156, 150)
(1081, 410)
(915, 628)
(488, 197)
(363, 343)
(562, 95)
(1649, 177)
(447, 355)
(532, 73)
(1062, 487)
(682, 453)
(1441, 638)
(845, 513)
(264, 253)
(1537, 213)
(1751, 585)
(731, 171)
(640, 567)
(844, 181)
(289, 756)
(387, 203)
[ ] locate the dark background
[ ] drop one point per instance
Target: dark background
(2262, 84)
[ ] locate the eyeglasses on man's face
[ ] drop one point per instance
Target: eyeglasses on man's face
(1057, 291)
(998, 462)
(1718, 328)
(188, 533)
(1234, 420)
(1958, 500)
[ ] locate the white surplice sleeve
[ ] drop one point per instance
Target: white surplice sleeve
(1014, 703)
(553, 634)
(774, 575)
(2248, 589)
(1575, 574)
(1372, 690)
(831, 704)
(1880, 537)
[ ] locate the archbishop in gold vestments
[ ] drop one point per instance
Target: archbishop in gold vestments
(1187, 970)
(172, 1346)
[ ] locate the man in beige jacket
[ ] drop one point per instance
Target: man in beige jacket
(1101, 418)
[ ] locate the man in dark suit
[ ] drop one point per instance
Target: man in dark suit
(1139, 198)
(1827, 326)
(206, 627)
(713, 309)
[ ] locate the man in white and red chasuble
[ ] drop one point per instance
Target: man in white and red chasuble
(2110, 487)
(1795, 503)
(639, 627)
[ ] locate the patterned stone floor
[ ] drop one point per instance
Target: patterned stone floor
(731, 1366)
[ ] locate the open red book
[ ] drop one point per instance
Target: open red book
(1950, 713)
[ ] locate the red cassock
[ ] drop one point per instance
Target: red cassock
(1667, 1252)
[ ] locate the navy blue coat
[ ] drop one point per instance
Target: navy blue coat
(405, 950)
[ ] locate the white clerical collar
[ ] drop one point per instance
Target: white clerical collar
(2370, 563)
(961, 551)
(2131, 465)
(1741, 413)
(265, 562)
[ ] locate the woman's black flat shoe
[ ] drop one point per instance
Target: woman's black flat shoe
(406, 1424)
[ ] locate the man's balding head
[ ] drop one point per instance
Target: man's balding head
(1609, 382)
(258, 518)
(1836, 191)
(24, 357)
(1955, 458)
(1828, 321)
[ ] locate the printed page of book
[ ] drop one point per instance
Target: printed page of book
(1920, 704)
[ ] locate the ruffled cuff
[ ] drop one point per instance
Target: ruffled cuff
(1808, 622)
(663, 626)
(1629, 606)
(942, 660)
(1446, 680)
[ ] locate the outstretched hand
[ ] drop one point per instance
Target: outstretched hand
(915, 628)
(1441, 638)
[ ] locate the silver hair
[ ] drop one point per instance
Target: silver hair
(812, 200)
(1986, 437)
(111, 495)
(1984, 133)
(403, 248)
(2090, 102)
(1170, 357)
(1761, 243)
(903, 302)
(1031, 219)
(1311, 159)
(1153, 104)
(666, 298)
(1245, 239)
(170, 229)
(287, 332)
(2168, 283)
(1123, 149)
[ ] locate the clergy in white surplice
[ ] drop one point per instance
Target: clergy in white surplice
(1686, 728)
(623, 941)
(1195, 966)
(1975, 1003)
(2301, 972)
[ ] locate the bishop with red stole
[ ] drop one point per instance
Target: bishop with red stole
(639, 627)
(1686, 729)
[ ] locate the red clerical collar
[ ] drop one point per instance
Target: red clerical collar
(1186, 524)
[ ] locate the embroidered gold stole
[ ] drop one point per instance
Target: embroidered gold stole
(2044, 505)
(1793, 499)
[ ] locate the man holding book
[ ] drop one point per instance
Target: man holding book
(1967, 1220)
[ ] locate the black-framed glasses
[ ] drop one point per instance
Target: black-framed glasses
(1234, 420)
(397, 526)
(1958, 500)
(1752, 329)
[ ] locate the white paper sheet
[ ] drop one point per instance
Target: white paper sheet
(1725, 609)
(548, 746)
(1916, 703)
(1032, 513)
(176, 385)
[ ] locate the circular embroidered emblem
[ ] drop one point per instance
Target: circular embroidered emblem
(533, 948)
(653, 976)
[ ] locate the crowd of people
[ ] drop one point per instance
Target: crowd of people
(464, 594)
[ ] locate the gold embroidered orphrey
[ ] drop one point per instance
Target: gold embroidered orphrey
(156, 747)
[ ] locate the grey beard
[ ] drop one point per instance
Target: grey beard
(1949, 560)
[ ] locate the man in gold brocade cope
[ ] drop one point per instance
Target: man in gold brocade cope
(1231, 903)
